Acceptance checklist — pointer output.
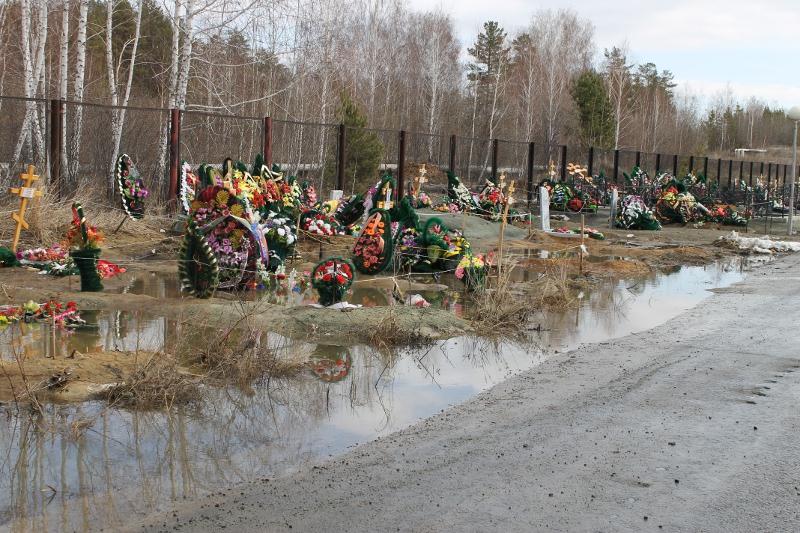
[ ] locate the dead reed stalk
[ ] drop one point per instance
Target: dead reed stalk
(157, 384)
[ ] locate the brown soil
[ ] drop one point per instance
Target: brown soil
(84, 375)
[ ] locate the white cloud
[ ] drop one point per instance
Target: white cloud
(753, 45)
(773, 94)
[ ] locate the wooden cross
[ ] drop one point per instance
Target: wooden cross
(419, 181)
(26, 192)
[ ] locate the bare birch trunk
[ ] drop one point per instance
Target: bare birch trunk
(78, 89)
(119, 114)
(62, 73)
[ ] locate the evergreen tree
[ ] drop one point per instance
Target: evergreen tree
(594, 109)
(489, 51)
(363, 148)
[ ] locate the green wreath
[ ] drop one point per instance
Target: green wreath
(197, 268)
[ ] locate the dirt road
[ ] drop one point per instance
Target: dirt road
(692, 426)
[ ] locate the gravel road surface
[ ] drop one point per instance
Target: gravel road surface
(691, 426)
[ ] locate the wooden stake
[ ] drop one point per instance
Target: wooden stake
(503, 231)
(53, 331)
(583, 227)
(120, 225)
(26, 192)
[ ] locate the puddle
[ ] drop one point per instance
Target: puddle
(166, 285)
(129, 463)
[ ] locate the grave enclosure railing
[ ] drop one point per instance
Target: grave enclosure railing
(159, 139)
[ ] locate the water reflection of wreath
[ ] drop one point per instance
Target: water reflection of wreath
(331, 364)
(131, 187)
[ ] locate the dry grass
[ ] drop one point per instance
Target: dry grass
(389, 334)
(49, 217)
(499, 310)
(158, 383)
(505, 307)
(240, 354)
(555, 290)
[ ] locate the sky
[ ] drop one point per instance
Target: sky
(750, 47)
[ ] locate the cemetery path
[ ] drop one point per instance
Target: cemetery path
(692, 425)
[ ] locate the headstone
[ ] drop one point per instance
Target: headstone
(544, 209)
(613, 208)
(336, 194)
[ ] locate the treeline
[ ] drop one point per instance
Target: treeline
(295, 59)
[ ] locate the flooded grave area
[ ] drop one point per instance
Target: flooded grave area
(67, 465)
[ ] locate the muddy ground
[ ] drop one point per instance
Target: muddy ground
(691, 426)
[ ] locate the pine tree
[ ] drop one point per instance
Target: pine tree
(489, 51)
(363, 149)
(594, 109)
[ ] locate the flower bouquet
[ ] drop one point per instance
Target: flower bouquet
(54, 260)
(331, 278)
(349, 210)
(309, 196)
(471, 270)
(53, 311)
(634, 214)
(131, 187)
(491, 201)
(422, 200)
(320, 224)
(459, 194)
(373, 250)
(83, 242)
(728, 215)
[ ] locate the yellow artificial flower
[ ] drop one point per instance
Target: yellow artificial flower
(237, 210)
(222, 198)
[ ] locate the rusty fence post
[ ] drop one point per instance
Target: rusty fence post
(495, 155)
(675, 165)
(451, 163)
(616, 166)
(564, 163)
(705, 167)
(691, 163)
(174, 152)
(340, 149)
(719, 173)
(401, 164)
(267, 148)
(658, 163)
(56, 143)
(730, 173)
(590, 165)
(531, 154)
(638, 159)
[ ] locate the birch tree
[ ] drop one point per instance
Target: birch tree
(113, 69)
(63, 65)
(564, 44)
(617, 74)
(33, 59)
(78, 87)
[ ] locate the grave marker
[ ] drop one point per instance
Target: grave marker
(26, 192)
